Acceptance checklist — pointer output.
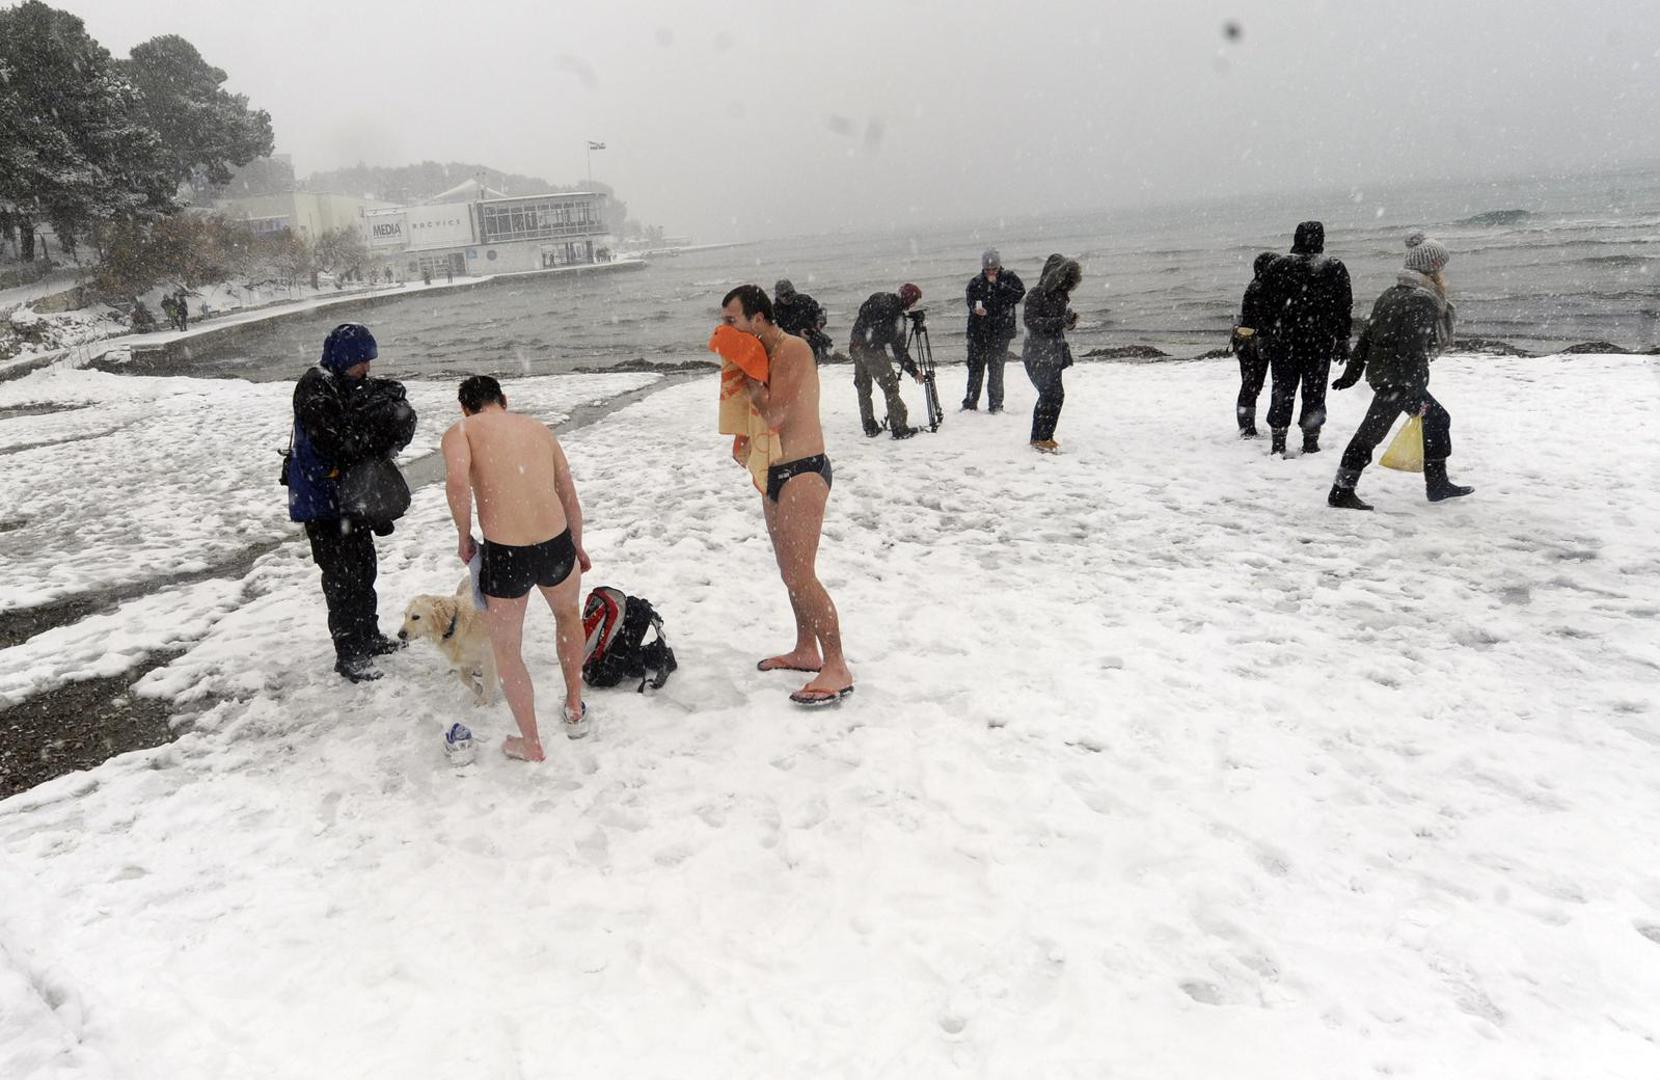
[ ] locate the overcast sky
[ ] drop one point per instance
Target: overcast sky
(750, 119)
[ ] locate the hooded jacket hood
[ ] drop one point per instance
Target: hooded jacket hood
(1310, 239)
(1261, 264)
(1060, 274)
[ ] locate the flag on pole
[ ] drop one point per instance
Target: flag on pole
(595, 145)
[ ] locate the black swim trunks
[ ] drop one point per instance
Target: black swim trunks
(778, 475)
(507, 573)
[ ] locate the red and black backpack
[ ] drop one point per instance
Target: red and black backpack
(615, 625)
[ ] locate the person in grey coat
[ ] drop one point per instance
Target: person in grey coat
(1411, 322)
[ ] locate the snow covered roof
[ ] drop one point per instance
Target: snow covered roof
(467, 191)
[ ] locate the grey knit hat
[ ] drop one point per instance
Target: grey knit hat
(1426, 254)
(990, 259)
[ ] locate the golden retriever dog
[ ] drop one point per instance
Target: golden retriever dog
(457, 629)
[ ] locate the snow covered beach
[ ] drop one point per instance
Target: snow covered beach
(1158, 767)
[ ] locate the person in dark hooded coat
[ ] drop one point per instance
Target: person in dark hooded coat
(1248, 333)
(1048, 316)
(343, 417)
(1310, 304)
(1411, 322)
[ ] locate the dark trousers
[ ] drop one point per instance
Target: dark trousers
(1293, 368)
(1386, 406)
(986, 359)
(346, 556)
(873, 367)
(1253, 372)
(1051, 396)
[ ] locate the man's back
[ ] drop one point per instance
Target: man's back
(878, 323)
(515, 463)
(1313, 299)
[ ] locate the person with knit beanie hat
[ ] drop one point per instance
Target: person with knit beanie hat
(1411, 323)
(993, 297)
(1311, 301)
(342, 417)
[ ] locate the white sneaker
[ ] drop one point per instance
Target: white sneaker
(458, 745)
(576, 727)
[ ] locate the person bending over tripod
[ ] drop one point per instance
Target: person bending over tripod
(878, 329)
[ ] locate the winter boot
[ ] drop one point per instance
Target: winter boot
(1311, 442)
(357, 669)
(1436, 484)
(1277, 446)
(1247, 422)
(872, 430)
(905, 432)
(1343, 495)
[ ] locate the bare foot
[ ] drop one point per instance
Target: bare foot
(796, 660)
(515, 746)
(833, 684)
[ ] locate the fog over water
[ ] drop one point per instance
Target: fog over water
(743, 122)
(1580, 264)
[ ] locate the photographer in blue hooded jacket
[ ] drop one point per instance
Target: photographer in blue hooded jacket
(343, 417)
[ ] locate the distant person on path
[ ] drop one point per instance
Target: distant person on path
(342, 417)
(182, 306)
(1048, 317)
(1311, 303)
(801, 315)
(993, 296)
(880, 327)
(798, 487)
(1248, 332)
(532, 524)
(170, 308)
(1411, 323)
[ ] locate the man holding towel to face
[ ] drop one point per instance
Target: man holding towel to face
(797, 486)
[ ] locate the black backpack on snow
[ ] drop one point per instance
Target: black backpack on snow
(615, 625)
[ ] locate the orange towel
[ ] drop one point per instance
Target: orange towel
(743, 357)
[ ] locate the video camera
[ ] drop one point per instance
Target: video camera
(918, 316)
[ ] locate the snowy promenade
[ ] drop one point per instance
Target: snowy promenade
(1158, 768)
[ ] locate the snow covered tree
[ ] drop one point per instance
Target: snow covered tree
(205, 131)
(341, 250)
(74, 151)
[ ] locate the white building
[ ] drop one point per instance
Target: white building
(471, 229)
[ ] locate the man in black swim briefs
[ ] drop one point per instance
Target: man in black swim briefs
(779, 475)
(798, 487)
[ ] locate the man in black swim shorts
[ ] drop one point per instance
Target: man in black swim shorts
(509, 572)
(515, 469)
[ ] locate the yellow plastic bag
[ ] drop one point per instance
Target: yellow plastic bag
(1406, 453)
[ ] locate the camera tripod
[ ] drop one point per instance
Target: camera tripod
(921, 351)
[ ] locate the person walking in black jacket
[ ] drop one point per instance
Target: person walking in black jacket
(992, 297)
(879, 328)
(1411, 322)
(1310, 303)
(1248, 333)
(799, 314)
(343, 417)
(1048, 317)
